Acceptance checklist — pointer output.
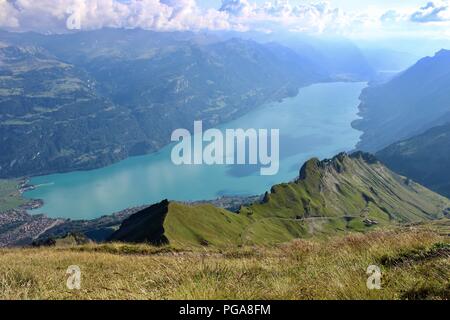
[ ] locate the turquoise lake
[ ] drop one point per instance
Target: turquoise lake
(315, 123)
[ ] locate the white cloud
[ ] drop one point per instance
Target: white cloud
(391, 16)
(311, 17)
(437, 11)
(57, 15)
(305, 16)
(240, 8)
(8, 15)
(52, 15)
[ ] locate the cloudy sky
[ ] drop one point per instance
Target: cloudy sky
(352, 18)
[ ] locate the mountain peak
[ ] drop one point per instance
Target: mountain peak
(337, 163)
(309, 167)
(443, 53)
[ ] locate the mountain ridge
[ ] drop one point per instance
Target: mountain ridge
(346, 193)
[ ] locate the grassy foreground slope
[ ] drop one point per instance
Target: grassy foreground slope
(414, 261)
(346, 193)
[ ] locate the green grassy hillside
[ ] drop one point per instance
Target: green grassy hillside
(346, 193)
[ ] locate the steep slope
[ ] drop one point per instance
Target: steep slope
(424, 158)
(153, 217)
(86, 100)
(346, 193)
(409, 104)
(53, 119)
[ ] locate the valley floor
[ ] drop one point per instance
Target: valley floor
(414, 261)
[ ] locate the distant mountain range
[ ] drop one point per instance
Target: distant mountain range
(424, 158)
(346, 193)
(407, 122)
(338, 58)
(411, 103)
(88, 99)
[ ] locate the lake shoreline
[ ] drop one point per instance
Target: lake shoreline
(325, 112)
(41, 227)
